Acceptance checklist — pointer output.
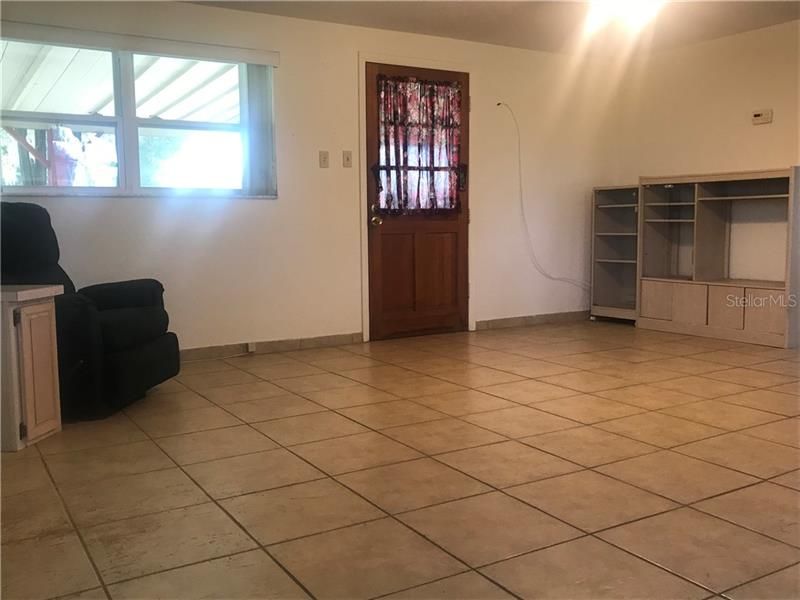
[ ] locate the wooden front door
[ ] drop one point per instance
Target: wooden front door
(418, 205)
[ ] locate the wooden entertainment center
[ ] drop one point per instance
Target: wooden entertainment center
(717, 256)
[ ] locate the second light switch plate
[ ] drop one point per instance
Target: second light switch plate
(324, 159)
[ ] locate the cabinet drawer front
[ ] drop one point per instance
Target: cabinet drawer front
(656, 300)
(765, 311)
(690, 303)
(726, 307)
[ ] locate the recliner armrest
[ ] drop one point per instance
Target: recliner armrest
(126, 294)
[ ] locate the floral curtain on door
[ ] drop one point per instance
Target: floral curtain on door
(419, 138)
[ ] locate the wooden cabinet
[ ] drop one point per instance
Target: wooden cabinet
(31, 406)
(685, 303)
(657, 300)
(764, 311)
(690, 303)
(726, 307)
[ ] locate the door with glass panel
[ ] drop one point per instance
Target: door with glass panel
(418, 208)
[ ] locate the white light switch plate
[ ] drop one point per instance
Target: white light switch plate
(324, 159)
(762, 117)
(347, 158)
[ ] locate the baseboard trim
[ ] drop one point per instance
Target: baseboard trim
(505, 323)
(225, 350)
(211, 352)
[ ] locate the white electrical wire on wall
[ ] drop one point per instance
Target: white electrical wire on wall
(583, 285)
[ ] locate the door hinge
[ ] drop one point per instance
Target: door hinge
(23, 431)
(17, 317)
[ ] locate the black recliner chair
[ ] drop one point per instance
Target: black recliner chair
(113, 343)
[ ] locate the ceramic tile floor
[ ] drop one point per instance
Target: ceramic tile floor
(586, 460)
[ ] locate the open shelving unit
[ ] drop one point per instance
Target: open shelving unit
(742, 230)
(614, 251)
(668, 211)
(719, 256)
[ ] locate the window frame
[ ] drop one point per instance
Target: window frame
(127, 124)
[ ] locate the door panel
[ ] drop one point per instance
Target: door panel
(657, 300)
(417, 257)
(765, 311)
(690, 303)
(437, 270)
(722, 312)
(397, 264)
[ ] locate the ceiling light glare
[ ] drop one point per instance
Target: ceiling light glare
(638, 13)
(633, 14)
(601, 13)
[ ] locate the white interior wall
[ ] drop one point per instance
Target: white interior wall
(758, 239)
(688, 110)
(246, 270)
(242, 270)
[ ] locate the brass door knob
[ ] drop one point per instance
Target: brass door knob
(376, 221)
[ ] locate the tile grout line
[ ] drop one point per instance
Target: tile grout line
(585, 533)
(480, 390)
(411, 399)
(618, 525)
(381, 431)
(795, 545)
(78, 532)
(181, 566)
(760, 577)
(644, 411)
(445, 578)
(221, 508)
(387, 514)
(329, 476)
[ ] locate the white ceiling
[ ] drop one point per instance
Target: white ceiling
(550, 26)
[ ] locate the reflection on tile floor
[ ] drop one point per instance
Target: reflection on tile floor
(584, 460)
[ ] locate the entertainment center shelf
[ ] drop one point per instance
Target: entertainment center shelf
(614, 251)
(763, 197)
(718, 256)
(669, 220)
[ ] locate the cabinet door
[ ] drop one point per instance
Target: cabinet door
(690, 303)
(39, 369)
(725, 307)
(656, 301)
(765, 311)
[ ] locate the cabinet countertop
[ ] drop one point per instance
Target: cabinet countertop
(25, 293)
